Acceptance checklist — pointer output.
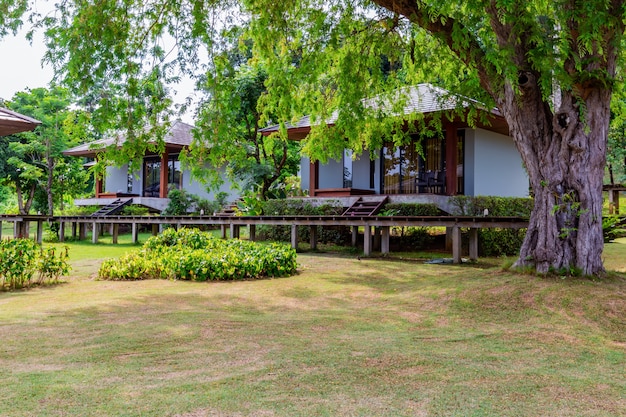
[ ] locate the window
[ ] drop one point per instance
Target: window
(152, 175)
(347, 168)
(403, 166)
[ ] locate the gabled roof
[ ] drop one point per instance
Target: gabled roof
(12, 122)
(422, 98)
(178, 136)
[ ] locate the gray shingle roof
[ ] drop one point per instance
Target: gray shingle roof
(422, 98)
(179, 134)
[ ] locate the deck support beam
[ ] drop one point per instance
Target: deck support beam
(94, 232)
(384, 240)
(61, 231)
(234, 231)
(294, 236)
(367, 240)
(252, 232)
(115, 231)
(313, 237)
(473, 244)
(456, 244)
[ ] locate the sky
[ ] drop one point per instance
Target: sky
(21, 67)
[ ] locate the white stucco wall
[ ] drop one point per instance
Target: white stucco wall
(305, 173)
(361, 172)
(494, 165)
(196, 188)
(331, 174)
(116, 179)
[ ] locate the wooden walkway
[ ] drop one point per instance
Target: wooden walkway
(379, 224)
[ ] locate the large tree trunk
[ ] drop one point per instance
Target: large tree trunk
(565, 155)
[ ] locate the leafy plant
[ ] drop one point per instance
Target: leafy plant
(189, 254)
(135, 210)
(612, 228)
(22, 258)
(410, 209)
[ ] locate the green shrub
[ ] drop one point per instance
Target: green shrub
(22, 258)
(135, 210)
(338, 235)
(496, 206)
(613, 227)
(499, 242)
(410, 209)
(495, 242)
(189, 254)
(415, 238)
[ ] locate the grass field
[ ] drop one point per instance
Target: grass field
(344, 337)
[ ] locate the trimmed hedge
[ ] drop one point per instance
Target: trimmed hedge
(410, 209)
(495, 242)
(338, 235)
(497, 206)
(189, 254)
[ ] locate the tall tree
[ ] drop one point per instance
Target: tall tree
(36, 160)
(228, 130)
(550, 67)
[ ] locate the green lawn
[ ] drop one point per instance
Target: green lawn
(344, 337)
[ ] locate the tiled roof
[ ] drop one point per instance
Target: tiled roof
(179, 135)
(423, 98)
(12, 122)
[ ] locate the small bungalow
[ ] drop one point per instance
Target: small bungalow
(470, 160)
(150, 185)
(12, 122)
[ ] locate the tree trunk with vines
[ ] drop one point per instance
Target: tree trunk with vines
(565, 155)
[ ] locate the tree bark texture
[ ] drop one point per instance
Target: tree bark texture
(565, 154)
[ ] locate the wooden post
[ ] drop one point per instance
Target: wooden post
(473, 244)
(384, 241)
(94, 232)
(115, 232)
(223, 229)
(355, 236)
(82, 231)
(367, 240)
(376, 241)
(313, 237)
(294, 236)
(252, 232)
(61, 231)
(234, 231)
(456, 245)
(15, 230)
(155, 230)
(135, 233)
(74, 226)
(448, 243)
(39, 231)
(612, 201)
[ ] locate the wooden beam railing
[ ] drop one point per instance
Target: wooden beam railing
(454, 223)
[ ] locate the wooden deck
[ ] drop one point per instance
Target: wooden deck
(368, 223)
